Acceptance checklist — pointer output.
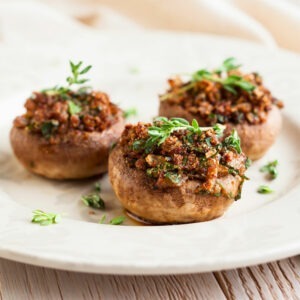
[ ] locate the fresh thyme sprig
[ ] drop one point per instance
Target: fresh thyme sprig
(44, 219)
(271, 169)
(163, 127)
(77, 72)
(229, 82)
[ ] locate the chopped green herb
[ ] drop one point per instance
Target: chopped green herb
(233, 141)
(44, 219)
(131, 112)
(73, 108)
(264, 189)
(152, 172)
(248, 162)
(113, 145)
(232, 171)
(93, 200)
(173, 177)
(98, 187)
(48, 127)
(102, 220)
(137, 145)
(207, 140)
(117, 220)
(219, 129)
(271, 169)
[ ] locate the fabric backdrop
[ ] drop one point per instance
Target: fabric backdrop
(271, 22)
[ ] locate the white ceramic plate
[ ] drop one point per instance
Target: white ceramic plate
(256, 229)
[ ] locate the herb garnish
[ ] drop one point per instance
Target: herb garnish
(97, 187)
(102, 220)
(71, 80)
(131, 112)
(174, 177)
(117, 220)
(73, 108)
(76, 72)
(248, 163)
(271, 169)
(44, 219)
(264, 189)
(163, 127)
(229, 82)
(94, 200)
(233, 141)
(48, 127)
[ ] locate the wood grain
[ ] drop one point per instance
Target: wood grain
(277, 280)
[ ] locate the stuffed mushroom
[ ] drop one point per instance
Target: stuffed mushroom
(229, 97)
(174, 172)
(67, 133)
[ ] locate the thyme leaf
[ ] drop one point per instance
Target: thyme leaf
(73, 108)
(117, 220)
(271, 169)
(163, 127)
(174, 177)
(97, 187)
(93, 200)
(131, 112)
(264, 189)
(44, 219)
(233, 141)
(248, 162)
(48, 127)
(228, 65)
(102, 220)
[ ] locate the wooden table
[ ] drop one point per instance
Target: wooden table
(277, 280)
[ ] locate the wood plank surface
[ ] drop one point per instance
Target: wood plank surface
(277, 280)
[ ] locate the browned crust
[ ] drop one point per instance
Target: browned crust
(135, 191)
(83, 156)
(255, 139)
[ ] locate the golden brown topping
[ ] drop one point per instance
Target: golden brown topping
(173, 151)
(223, 95)
(53, 115)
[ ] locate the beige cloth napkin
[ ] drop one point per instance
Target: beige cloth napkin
(269, 22)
